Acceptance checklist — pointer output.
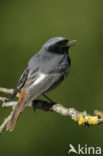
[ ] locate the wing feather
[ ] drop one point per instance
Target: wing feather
(23, 78)
(34, 89)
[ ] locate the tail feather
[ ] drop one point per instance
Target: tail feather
(16, 113)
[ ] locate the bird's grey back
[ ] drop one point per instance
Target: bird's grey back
(47, 61)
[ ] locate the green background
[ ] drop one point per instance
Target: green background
(24, 27)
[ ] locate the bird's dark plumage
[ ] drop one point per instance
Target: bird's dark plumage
(45, 71)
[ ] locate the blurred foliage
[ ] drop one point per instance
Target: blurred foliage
(24, 27)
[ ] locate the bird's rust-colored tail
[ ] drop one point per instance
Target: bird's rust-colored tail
(16, 113)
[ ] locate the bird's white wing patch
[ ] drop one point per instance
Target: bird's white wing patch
(41, 76)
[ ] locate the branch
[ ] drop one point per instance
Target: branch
(8, 91)
(82, 118)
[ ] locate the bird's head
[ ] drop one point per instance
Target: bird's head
(58, 45)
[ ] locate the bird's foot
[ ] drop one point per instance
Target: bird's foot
(40, 104)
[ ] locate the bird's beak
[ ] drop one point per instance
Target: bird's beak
(69, 43)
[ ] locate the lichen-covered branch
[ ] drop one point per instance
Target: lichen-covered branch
(82, 118)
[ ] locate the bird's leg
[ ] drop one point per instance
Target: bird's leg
(48, 99)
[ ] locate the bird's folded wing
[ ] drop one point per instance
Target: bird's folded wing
(23, 78)
(38, 83)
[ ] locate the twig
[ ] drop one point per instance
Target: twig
(8, 91)
(3, 125)
(82, 118)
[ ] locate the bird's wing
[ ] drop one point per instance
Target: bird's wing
(23, 78)
(38, 83)
(20, 83)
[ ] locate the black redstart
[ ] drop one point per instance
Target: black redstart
(45, 71)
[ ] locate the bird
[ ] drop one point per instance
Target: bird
(45, 71)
